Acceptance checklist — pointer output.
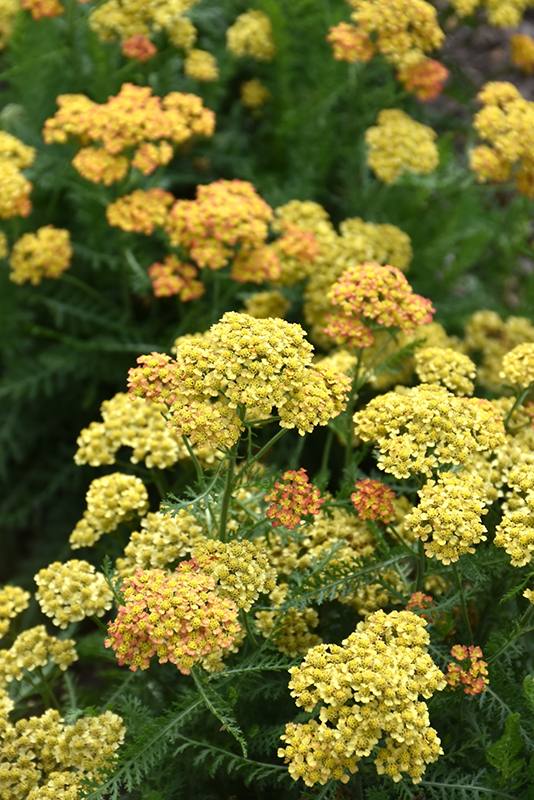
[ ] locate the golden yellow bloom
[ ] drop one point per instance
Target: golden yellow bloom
(401, 30)
(14, 192)
(399, 144)
(491, 338)
(518, 366)
(449, 515)
(163, 538)
(15, 152)
(446, 367)
(4, 245)
(254, 94)
(125, 18)
(505, 122)
(267, 304)
(246, 362)
(111, 500)
(501, 13)
(182, 33)
(522, 47)
(13, 600)
(71, 591)
(8, 10)
(240, 568)
(427, 428)
(367, 687)
(252, 35)
(44, 254)
(515, 532)
(201, 66)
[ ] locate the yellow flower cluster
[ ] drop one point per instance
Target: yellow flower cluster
(227, 221)
(140, 211)
(71, 591)
(247, 364)
(515, 532)
(401, 30)
(13, 600)
(240, 568)
(397, 144)
(522, 52)
(518, 366)
(133, 120)
(14, 187)
(427, 428)
(266, 304)
(505, 122)
(129, 422)
(163, 539)
(289, 628)
(357, 242)
(8, 10)
(501, 13)
(127, 18)
(111, 500)
(31, 649)
(46, 759)
(252, 35)
(201, 66)
(44, 254)
(367, 687)
(254, 94)
(487, 335)
(447, 367)
(447, 518)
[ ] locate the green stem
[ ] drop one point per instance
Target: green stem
(47, 694)
(94, 293)
(196, 462)
(518, 401)
(99, 623)
(250, 635)
(229, 484)
(465, 615)
(421, 566)
(261, 453)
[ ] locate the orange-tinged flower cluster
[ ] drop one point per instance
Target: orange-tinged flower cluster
(141, 211)
(297, 251)
(174, 277)
(367, 687)
(422, 601)
(139, 47)
(426, 428)
(471, 673)
(14, 187)
(177, 617)
(369, 293)
(227, 221)
(43, 8)
(252, 35)
(506, 123)
(426, 78)
(135, 120)
(44, 254)
(522, 52)
(397, 144)
(292, 498)
(401, 30)
(373, 500)
(244, 363)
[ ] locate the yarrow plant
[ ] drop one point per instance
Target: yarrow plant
(246, 377)
(292, 498)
